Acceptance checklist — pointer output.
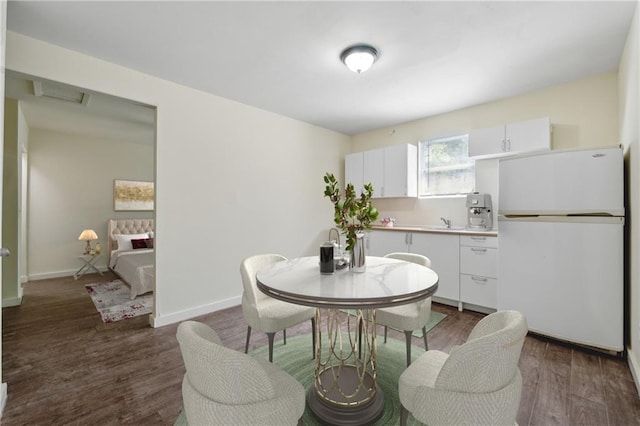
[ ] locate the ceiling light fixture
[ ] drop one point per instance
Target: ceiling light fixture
(359, 58)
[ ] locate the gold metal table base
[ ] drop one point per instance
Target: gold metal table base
(344, 390)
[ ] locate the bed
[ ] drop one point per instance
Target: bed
(131, 255)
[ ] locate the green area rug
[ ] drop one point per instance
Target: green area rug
(295, 358)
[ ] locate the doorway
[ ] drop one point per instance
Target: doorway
(77, 143)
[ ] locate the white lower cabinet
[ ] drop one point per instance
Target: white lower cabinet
(441, 249)
(467, 265)
(479, 270)
(381, 243)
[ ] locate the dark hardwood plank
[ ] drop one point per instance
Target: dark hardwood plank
(64, 366)
(586, 377)
(551, 405)
(530, 366)
(621, 395)
(583, 411)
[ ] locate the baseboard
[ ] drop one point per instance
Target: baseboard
(187, 314)
(58, 274)
(634, 366)
(477, 308)
(3, 397)
(14, 301)
(443, 301)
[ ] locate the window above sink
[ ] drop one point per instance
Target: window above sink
(444, 167)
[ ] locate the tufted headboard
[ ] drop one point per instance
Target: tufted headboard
(125, 226)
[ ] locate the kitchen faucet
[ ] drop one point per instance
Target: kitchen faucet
(446, 222)
(337, 240)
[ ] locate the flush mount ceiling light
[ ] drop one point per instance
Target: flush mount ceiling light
(359, 58)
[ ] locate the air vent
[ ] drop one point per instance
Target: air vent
(60, 92)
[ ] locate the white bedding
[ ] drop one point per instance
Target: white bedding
(136, 268)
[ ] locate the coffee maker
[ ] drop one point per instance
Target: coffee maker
(479, 215)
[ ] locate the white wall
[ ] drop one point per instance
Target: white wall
(70, 189)
(11, 294)
(583, 114)
(629, 131)
(23, 148)
(231, 180)
(3, 43)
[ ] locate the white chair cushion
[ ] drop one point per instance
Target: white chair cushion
(226, 387)
(412, 316)
(477, 383)
(422, 372)
(285, 407)
(262, 312)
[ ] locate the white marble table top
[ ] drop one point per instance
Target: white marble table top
(386, 282)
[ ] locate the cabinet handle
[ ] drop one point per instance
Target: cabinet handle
(480, 279)
(508, 144)
(503, 145)
(478, 250)
(408, 238)
(479, 238)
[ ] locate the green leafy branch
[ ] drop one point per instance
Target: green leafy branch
(352, 214)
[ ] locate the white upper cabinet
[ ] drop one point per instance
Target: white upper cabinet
(510, 139)
(393, 171)
(373, 170)
(400, 171)
(353, 164)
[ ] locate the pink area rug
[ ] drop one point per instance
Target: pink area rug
(113, 302)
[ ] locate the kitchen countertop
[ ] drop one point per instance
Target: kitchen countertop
(436, 229)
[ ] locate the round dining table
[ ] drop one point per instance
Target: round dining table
(344, 391)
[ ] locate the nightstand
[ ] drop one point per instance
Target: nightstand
(89, 262)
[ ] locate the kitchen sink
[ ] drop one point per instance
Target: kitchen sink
(433, 227)
(444, 228)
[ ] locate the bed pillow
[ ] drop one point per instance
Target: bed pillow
(142, 243)
(124, 240)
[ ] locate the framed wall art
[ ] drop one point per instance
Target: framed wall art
(131, 195)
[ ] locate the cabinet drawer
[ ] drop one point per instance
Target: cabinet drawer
(479, 241)
(481, 291)
(481, 261)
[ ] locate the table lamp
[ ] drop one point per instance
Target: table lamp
(88, 235)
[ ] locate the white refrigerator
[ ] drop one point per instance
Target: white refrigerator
(561, 244)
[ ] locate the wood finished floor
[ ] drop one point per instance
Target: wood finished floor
(63, 366)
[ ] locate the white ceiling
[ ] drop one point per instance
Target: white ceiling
(284, 56)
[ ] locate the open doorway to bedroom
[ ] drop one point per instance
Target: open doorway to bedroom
(70, 147)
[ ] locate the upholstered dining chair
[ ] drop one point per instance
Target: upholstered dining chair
(478, 382)
(410, 317)
(265, 313)
(225, 387)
